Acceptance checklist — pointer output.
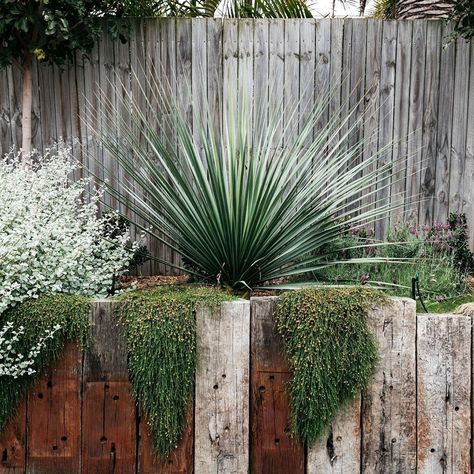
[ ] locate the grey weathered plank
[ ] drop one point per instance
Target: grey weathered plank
(308, 70)
(415, 114)
(443, 393)
(387, 97)
(15, 92)
(417, 86)
(222, 389)
(261, 77)
(442, 159)
(47, 104)
(215, 66)
(400, 122)
(322, 67)
(372, 95)
(339, 451)
(276, 71)
(468, 178)
(337, 32)
(291, 83)
(245, 80)
(198, 84)
(356, 103)
(36, 135)
(459, 128)
(389, 404)
(230, 71)
(5, 114)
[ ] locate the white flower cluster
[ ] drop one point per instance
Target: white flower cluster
(13, 363)
(51, 240)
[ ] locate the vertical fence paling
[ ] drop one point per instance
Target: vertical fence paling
(414, 417)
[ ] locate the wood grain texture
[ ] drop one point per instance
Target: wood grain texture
(54, 416)
(460, 130)
(339, 451)
(180, 461)
(415, 131)
(385, 126)
(222, 389)
(444, 393)
(389, 403)
(372, 99)
(414, 83)
(468, 177)
(272, 450)
(13, 443)
(109, 412)
(400, 123)
(430, 123)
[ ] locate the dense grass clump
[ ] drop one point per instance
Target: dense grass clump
(161, 334)
(331, 351)
(37, 316)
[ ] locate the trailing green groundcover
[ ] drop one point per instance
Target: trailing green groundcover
(37, 316)
(331, 351)
(161, 334)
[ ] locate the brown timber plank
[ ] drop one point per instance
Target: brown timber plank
(109, 412)
(54, 416)
(272, 450)
(13, 443)
(180, 460)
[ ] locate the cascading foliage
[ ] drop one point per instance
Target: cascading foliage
(239, 203)
(331, 351)
(37, 317)
(161, 335)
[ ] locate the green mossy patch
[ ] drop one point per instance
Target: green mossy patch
(161, 334)
(37, 316)
(331, 351)
(446, 306)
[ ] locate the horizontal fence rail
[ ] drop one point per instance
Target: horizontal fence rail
(417, 93)
(416, 415)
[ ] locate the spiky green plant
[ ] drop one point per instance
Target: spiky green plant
(239, 207)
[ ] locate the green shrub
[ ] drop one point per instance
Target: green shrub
(434, 253)
(331, 351)
(161, 334)
(70, 312)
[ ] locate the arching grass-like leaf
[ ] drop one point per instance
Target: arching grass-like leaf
(236, 204)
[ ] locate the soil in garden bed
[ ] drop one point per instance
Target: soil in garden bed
(150, 282)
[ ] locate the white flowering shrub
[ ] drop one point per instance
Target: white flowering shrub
(12, 362)
(51, 241)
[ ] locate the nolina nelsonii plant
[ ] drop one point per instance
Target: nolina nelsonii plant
(237, 206)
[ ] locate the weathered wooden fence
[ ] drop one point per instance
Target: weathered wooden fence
(413, 85)
(416, 416)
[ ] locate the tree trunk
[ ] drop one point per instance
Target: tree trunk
(27, 104)
(416, 9)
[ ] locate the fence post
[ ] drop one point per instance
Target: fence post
(444, 393)
(222, 389)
